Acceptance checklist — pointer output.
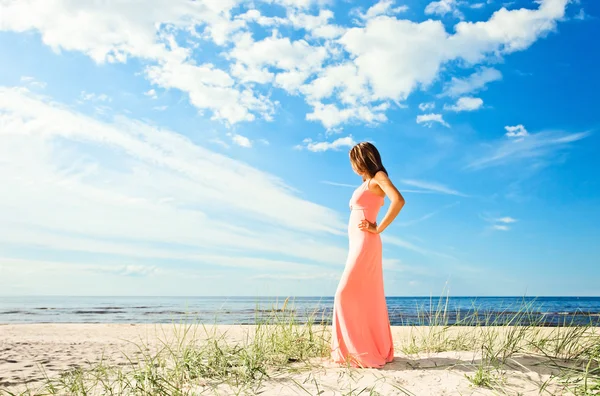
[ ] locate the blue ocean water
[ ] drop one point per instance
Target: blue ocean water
(547, 311)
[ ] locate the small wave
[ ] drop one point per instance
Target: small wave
(168, 313)
(96, 312)
(574, 313)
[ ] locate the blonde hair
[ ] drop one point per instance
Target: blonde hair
(366, 159)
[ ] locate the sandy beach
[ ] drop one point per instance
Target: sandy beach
(29, 353)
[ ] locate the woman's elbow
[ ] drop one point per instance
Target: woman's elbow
(399, 201)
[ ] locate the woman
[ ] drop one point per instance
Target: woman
(361, 333)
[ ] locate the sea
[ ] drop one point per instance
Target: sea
(403, 311)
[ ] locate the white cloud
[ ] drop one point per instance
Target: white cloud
(506, 220)
(144, 192)
(296, 4)
(499, 223)
(474, 83)
(339, 184)
(299, 276)
(92, 97)
(257, 17)
(506, 31)
(32, 82)
(109, 32)
(317, 25)
(151, 93)
(213, 89)
(219, 142)
(426, 216)
(291, 62)
(240, 140)
(130, 270)
(392, 240)
(393, 71)
(337, 144)
(384, 61)
(429, 119)
(331, 115)
(426, 106)
(466, 103)
(387, 71)
(443, 7)
(431, 186)
(383, 7)
(517, 131)
(581, 15)
(160, 108)
(528, 147)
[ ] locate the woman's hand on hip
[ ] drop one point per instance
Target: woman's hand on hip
(366, 225)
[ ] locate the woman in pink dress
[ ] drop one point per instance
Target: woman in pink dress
(361, 333)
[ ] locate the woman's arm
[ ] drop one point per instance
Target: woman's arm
(396, 200)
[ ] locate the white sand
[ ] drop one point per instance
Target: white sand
(27, 349)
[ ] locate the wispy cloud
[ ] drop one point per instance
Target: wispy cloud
(32, 82)
(301, 276)
(506, 220)
(429, 119)
(43, 277)
(432, 187)
(136, 185)
(528, 146)
(465, 103)
(129, 270)
(499, 223)
(393, 240)
(151, 93)
(426, 106)
(337, 144)
(240, 140)
(339, 184)
(582, 15)
(397, 265)
(220, 142)
(474, 83)
(93, 97)
(426, 216)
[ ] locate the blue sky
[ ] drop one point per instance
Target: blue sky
(200, 148)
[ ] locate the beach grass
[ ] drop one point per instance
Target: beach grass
(193, 359)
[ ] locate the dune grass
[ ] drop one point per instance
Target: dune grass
(199, 359)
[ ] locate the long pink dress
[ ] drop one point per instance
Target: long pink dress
(361, 334)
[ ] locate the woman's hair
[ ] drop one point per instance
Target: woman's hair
(366, 159)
